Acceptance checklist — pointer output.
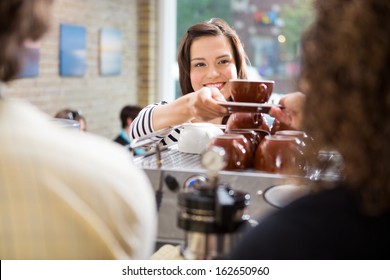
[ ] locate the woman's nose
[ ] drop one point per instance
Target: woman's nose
(212, 71)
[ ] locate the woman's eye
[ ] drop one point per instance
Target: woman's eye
(224, 61)
(200, 64)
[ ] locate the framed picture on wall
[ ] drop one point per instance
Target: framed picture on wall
(30, 60)
(73, 50)
(110, 52)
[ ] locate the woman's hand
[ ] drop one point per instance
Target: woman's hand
(202, 104)
(199, 106)
(291, 115)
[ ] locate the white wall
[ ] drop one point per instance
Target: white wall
(166, 49)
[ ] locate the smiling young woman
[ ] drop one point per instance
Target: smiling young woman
(209, 55)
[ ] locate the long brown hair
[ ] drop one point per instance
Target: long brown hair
(345, 74)
(20, 20)
(213, 27)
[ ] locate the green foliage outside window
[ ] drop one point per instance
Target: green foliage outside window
(296, 17)
(190, 12)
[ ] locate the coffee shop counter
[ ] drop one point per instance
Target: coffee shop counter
(179, 171)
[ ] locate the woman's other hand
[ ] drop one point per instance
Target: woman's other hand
(292, 113)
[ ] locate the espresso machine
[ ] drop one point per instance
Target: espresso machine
(202, 207)
(211, 214)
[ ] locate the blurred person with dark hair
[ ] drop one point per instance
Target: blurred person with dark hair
(345, 106)
(74, 115)
(127, 115)
(63, 195)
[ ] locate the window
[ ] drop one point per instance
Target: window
(269, 29)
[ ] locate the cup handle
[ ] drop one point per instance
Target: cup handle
(263, 89)
(257, 119)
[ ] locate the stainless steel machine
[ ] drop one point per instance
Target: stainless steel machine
(177, 172)
(195, 204)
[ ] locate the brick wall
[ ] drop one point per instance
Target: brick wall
(99, 98)
(147, 51)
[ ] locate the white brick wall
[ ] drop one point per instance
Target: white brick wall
(99, 98)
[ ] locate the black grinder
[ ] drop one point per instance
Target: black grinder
(211, 214)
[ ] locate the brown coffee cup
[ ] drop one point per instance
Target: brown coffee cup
(306, 143)
(252, 137)
(261, 133)
(251, 91)
(238, 155)
(240, 120)
(280, 155)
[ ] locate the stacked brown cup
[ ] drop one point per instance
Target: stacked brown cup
(280, 154)
(252, 125)
(248, 142)
(249, 92)
(238, 153)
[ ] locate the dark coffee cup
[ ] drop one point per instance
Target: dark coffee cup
(254, 136)
(306, 143)
(238, 154)
(242, 120)
(251, 91)
(281, 155)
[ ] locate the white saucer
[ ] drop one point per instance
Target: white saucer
(281, 195)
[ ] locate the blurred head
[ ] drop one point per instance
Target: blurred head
(73, 115)
(20, 21)
(128, 114)
(212, 28)
(345, 75)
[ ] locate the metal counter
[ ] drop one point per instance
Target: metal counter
(185, 168)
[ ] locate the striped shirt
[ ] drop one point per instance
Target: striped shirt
(143, 126)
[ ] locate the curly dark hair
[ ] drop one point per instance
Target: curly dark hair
(213, 27)
(20, 20)
(345, 74)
